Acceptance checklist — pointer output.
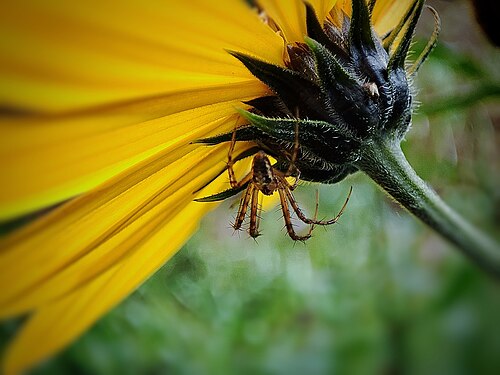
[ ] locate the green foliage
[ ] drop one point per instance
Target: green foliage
(376, 293)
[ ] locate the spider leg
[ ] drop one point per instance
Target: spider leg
(254, 213)
(306, 220)
(244, 180)
(282, 189)
(311, 228)
(288, 191)
(282, 176)
(230, 163)
(242, 210)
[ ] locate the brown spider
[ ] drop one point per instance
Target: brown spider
(265, 178)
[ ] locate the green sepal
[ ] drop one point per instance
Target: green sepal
(333, 143)
(283, 81)
(389, 39)
(316, 32)
(223, 194)
(348, 100)
(284, 128)
(431, 44)
(330, 69)
(293, 89)
(246, 133)
(360, 33)
(398, 58)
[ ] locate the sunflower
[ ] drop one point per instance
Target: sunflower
(105, 112)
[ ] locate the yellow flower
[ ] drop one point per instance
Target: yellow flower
(101, 102)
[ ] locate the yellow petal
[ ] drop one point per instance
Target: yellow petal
(46, 161)
(138, 62)
(387, 13)
(58, 56)
(322, 7)
(289, 15)
(124, 260)
(61, 321)
(133, 150)
(88, 235)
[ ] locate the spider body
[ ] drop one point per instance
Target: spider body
(263, 175)
(266, 178)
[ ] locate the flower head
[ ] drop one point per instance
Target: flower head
(342, 88)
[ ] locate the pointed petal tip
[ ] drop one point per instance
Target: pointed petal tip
(311, 43)
(398, 58)
(247, 115)
(360, 33)
(223, 195)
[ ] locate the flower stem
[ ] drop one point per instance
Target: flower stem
(386, 164)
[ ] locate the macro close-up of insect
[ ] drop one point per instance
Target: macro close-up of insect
(266, 178)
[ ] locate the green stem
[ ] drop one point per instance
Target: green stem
(386, 164)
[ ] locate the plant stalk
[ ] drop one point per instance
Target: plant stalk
(384, 161)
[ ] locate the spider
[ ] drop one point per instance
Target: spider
(266, 179)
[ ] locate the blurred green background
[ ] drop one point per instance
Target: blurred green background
(378, 293)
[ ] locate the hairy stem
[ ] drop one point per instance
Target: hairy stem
(386, 164)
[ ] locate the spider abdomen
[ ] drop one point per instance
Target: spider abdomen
(263, 174)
